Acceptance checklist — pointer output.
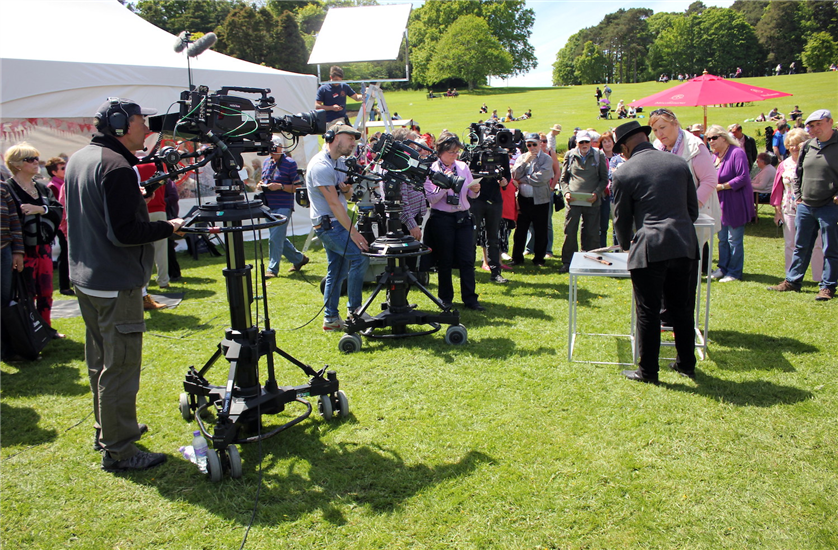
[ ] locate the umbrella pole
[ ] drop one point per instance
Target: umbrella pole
(705, 118)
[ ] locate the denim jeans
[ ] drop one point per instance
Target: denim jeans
(806, 223)
(732, 251)
(344, 260)
(280, 246)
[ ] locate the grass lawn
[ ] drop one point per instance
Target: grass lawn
(500, 443)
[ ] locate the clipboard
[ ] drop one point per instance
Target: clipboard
(580, 199)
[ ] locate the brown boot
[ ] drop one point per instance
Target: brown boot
(149, 303)
(784, 286)
(825, 294)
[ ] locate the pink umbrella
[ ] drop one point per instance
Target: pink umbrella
(705, 90)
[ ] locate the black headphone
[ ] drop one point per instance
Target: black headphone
(329, 136)
(117, 121)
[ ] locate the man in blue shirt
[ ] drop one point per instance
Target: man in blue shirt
(331, 96)
(279, 181)
(779, 140)
(344, 244)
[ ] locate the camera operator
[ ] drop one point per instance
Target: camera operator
(487, 208)
(343, 243)
(279, 182)
(111, 256)
(450, 229)
(414, 204)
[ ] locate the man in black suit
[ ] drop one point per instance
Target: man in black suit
(654, 192)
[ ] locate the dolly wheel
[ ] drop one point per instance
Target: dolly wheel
(183, 406)
(456, 335)
(324, 405)
(214, 466)
(235, 461)
(343, 404)
(349, 343)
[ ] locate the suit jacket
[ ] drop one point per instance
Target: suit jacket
(750, 150)
(654, 192)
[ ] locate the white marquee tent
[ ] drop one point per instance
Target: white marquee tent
(61, 59)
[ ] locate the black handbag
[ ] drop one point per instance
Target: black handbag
(558, 202)
(26, 330)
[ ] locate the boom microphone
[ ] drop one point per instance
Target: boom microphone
(201, 45)
(181, 43)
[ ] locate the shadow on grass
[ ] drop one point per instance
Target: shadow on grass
(748, 351)
(20, 427)
(313, 477)
(168, 320)
(751, 393)
(47, 376)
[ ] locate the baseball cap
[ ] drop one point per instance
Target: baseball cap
(114, 105)
(343, 128)
(820, 114)
(583, 135)
(532, 136)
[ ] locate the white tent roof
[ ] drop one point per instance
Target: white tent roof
(63, 58)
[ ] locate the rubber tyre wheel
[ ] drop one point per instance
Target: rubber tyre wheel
(343, 404)
(456, 335)
(183, 406)
(349, 343)
(424, 278)
(214, 466)
(324, 405)
(235, 462)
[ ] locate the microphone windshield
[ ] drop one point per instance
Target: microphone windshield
(181, 43)
(201, 45)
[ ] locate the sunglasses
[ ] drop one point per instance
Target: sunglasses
(713, 138)
(31, 159)
(663, 112)
(543, 141)
(586, 141)
(529, 144)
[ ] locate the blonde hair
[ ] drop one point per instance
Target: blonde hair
(16, 153)
(795, 137)
(716, 130)
(665, 114)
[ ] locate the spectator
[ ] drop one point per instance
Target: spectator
(816, 194)
(571, 143)
(487, 209)
(156, 204)
(533, 170)
(332, 95)
(554, 181)
(760, 118)
(344, 244)
(778, 69)
(622, 112)
(796, 113)
(584, 170)
(607, 91)
(12, 254)
(449, 231)
(736, 199)
(56, 167)
(778, 140)
(747, 143)
(172, 213)
(762, 180)
(414, 204)
(552, 135)
(606, 145)
(598, 95)
(508, 220)
(40, 213)
(279, 181)
(785, 205)
(484, 108)
(774, 114)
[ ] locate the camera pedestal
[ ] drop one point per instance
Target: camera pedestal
(397, 313)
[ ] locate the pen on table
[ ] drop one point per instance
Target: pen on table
(597, 259)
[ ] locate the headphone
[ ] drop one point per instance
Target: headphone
(117, 121)
(329, 136)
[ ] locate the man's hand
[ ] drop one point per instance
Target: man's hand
(17, 261)
(474, 187)
(592, 198)
(176, 223)
(416, 233)
(359, 240)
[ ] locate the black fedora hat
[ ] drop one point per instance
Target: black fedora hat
(625, 130)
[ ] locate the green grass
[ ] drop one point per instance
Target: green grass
(500, 443)
(576, 106)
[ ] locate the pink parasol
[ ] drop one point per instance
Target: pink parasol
(705, 90)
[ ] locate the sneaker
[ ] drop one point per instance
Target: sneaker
(727, 279)
(335, 324)
(500, 279)
(98, 446)
(150, 304)
(825, 294)
(485, 267)
(299, 265)
(141, 461)
(718, 274)
(506, 257)
(270, 274)
(784, 286)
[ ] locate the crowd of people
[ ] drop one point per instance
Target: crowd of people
(650, 182)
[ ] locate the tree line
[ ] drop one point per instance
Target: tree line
(455, 42)
(638, 45)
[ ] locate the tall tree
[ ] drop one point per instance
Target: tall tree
(820, 51)
(175, 16)
(251, 35)
(780, 32)
(728, 41)
(590, 66)
(468, 51)
(564, 70)
(824, 16)
(751, 10)
(291, 48)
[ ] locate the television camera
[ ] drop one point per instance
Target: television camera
(228, 126)
(490, 143)
(378, 195)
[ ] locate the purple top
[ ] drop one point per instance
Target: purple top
(738, 201)
(436, 196)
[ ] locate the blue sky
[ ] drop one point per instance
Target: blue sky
(558, 20)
